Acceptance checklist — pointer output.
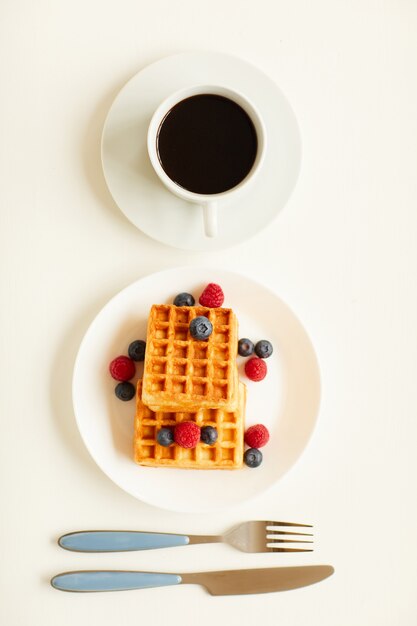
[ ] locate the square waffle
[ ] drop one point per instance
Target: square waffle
(226, 453)
(182, 373)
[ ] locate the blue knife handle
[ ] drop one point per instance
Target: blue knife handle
(119, 541)
(112, 580)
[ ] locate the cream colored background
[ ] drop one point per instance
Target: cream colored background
(342, 255)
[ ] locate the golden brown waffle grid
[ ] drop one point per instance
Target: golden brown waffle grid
(226, 453)
(182, 373)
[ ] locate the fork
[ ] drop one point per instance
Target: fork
(254, 536)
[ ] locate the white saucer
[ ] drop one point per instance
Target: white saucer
(137, 190)
(286, 401)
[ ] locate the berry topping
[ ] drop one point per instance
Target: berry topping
(122, 368)
(136, 350)
(125, 391)
(209, 435)
(212, 296)
(253, 457)
(187, 434)
(263, 349)
(257, 436)
(255, 369)
(245, 347)
(184, 299)
(201, 328)
(165, 437)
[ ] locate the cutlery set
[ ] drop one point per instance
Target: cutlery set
(251, 536)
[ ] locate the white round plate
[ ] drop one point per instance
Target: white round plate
(286, 401)
(136, 188)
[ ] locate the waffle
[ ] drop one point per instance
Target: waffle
(226, 453)
(182, 373)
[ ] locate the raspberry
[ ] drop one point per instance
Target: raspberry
(255, 369)
(187, 434)
(257, 436)
(122, 368)
(212, 296)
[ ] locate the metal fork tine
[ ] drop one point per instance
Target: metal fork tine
(290, 550)
(273, 533)
(288, 541)
(272, 524)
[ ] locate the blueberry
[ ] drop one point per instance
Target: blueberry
(201, 328)
(136, 350)
(125, 391)
(209, 435)
(263, 349)
(165, 437)
(253, 457)
(184, 299)
(245, 347)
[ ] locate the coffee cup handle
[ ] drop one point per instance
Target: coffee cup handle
(210, 219)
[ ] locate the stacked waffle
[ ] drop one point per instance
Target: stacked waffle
(189, 380)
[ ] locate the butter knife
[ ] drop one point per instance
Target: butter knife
(222, 583)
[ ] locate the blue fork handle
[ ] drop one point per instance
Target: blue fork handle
(119, 541)
(112, 580)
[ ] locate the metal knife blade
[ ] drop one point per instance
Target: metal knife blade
(244, 581)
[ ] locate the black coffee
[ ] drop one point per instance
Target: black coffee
(207, 144)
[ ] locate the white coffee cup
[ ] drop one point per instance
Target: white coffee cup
(209, 202)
